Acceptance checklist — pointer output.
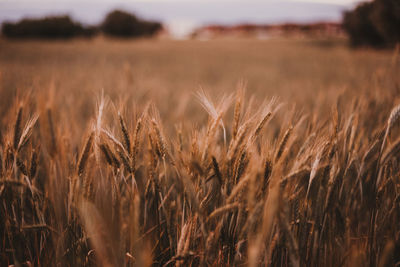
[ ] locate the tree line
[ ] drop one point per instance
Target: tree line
(117, 24)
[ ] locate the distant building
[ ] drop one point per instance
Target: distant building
(320, 29)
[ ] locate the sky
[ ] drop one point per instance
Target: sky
(182, 16)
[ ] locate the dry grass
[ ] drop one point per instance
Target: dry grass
(107, 158)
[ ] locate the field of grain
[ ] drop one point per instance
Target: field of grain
(191, 153)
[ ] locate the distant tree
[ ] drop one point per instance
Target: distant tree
(60, 27)
(375, 23)
(122, 24)
(360, 27)
(386, 18)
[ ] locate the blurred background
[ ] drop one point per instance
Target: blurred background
(181, 18)
(378, 20)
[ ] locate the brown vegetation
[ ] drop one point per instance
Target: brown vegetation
(248, 182)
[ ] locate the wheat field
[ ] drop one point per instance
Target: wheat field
(191, 153)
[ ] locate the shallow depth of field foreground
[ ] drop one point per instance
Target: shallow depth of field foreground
(190, 153)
